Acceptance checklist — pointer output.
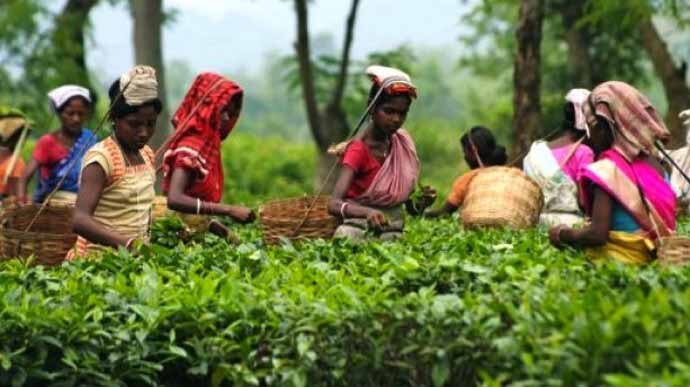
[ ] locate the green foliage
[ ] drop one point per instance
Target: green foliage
(259, 168)
(442, 306)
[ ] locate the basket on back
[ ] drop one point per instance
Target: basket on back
(297, 219)
(502, 197)
(49, 238)
(674, 250)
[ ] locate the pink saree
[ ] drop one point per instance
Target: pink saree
(397, 177)
(623, 180)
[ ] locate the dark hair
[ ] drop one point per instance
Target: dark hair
(384, 97)
(569, 117)
(120, 108)
(61, 108)
(488, 150)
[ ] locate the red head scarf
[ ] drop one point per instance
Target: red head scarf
(195, 145)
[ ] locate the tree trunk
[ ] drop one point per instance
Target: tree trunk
(328, 125)
(671, 75)
(527, 120)
(69, 38)
(306, 75)
(148, 24)
(577, 38)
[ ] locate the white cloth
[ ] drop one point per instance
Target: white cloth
(383, 74)
(560, 191)
(578, 97)
(59, 96)
(682, 158)
(139, 85)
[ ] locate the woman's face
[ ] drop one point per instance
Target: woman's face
(229, 116)
(74, 114)
(134, 130)
(390, 115)
(601, 136)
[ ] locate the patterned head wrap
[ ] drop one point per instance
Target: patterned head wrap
(139, 85)
(636, 123)
(393, 81)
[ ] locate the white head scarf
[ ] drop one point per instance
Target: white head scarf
(139, 85)
(578, 97)
(59, 96)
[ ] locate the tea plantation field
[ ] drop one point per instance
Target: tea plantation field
(441, 307)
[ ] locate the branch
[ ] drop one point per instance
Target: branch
(305, 72)
(345, 57)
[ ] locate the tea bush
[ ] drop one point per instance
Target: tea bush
(442, 306)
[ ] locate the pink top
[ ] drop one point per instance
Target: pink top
(582, 157)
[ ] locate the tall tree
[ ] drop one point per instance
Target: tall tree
(577, 37)
(527, 119)
(69, 39)
(672, 75)
(328, 123)
(148, 20)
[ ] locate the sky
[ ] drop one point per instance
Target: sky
(236, 35)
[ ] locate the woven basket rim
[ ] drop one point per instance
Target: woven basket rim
(511, 170)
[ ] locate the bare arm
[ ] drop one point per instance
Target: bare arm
(351, 210)
(11, 187)
(595, 234)
(23, 181)
(179, 201)
(93, 181)
(447, 208)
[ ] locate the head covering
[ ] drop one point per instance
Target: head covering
(685, 118)
(393, 80)
(196, 142)
(11, 122)
(636, 123)
(59, 96)
(139, 85)
(578, 97)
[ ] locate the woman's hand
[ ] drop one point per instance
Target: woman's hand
(241, 214)
(426, 199)
(376, 219)
(555, 235)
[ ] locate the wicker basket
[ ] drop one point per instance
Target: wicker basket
(674, 251)
(49, 239)
(292, 219)
(502, 197)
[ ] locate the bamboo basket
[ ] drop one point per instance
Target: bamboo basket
(294, 220)
(674, 251)
(49, 239)
(502, 197)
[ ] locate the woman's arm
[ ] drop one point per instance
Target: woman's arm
(338, 206)
(24, 180)
(93, 180)
(447, 208)
(179, 201)
(595, 234)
